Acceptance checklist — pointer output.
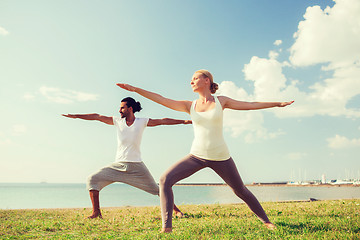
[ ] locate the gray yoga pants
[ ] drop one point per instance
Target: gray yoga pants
(135, 174)
(191, 164)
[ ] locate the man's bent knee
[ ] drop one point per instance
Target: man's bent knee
(91, 183)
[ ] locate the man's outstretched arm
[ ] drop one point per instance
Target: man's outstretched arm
(93, 116)
(166, 121)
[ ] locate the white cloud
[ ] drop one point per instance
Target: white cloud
(277, 42)
(334, 93)
(66, 96)
(340, 142)
(331, 37)
(296, 156)
(327, 96)
(3, 31)
(229, 89)
(273, 54)
(267, 77)
(249, 123)
(328, 36)
(28, 96)
(5, 142)
(19, 129)
(270, 84)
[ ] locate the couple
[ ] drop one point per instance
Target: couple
(208, 148)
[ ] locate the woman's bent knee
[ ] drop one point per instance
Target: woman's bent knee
(164, 181)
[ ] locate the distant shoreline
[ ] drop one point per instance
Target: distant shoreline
(273, 184)
(268, 185)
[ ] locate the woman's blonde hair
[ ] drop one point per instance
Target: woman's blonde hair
(206, 73)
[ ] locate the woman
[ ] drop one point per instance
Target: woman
(208, 148)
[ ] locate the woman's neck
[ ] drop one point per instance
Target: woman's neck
(205, 97)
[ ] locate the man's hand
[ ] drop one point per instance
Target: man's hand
(69, 115)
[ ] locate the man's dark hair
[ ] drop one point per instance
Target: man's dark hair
(130, 102)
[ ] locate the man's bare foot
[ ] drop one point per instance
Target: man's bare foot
(270, 226)
(179, 214)
(95, 215)
(166, 230)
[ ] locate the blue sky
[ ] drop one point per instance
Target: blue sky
(65, 57)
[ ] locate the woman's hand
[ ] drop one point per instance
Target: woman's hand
(126, 87)
(284, 104)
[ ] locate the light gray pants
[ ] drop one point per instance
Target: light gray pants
(191, 164)
(135, 174)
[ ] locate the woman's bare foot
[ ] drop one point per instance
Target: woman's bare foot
(166, 230)
(270, 226)
(95, 215)
(178, 214)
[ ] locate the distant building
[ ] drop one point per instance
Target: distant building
(323, 179)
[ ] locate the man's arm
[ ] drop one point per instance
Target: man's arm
(166, 121)
(93, 116)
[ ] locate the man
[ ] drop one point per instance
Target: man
(128, 166)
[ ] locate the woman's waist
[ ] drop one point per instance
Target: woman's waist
(211, 152)
(209, 136)
(204, 143)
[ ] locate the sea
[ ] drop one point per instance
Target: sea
(66, 195)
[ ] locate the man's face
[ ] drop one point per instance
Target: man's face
(124, 110)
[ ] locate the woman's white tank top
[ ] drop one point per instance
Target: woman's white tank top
(208, 141)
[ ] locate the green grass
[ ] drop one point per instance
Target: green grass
(337, 219)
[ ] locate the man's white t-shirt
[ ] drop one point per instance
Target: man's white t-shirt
(129, 139)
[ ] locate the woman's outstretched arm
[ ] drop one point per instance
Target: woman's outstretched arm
(230, 103)
(181, 106)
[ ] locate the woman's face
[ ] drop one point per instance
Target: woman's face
(198, 81)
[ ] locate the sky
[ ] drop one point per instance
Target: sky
(59, 57)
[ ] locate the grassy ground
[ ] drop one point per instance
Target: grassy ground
(294, 220)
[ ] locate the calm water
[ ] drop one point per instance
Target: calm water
(18, 196)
